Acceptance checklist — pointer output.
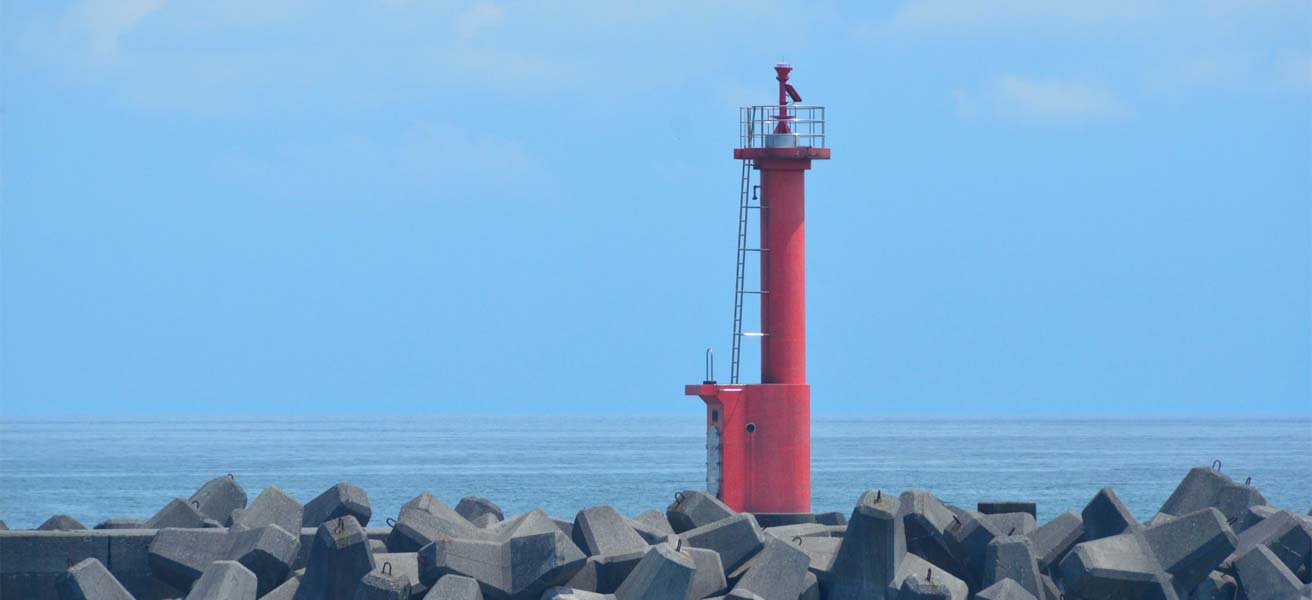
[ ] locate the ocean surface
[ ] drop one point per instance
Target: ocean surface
(95, 469)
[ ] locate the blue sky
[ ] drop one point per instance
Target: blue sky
(424, 207)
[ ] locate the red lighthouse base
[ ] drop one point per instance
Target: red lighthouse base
(758, 445)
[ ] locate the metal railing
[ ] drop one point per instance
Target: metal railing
(757, 125)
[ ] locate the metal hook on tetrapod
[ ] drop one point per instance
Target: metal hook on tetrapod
(678, 498)
(1216, 464)
(387, 568)
(390, 522)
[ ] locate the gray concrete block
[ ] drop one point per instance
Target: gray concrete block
(736, 539)
(1217, 586)
(603, 530)
(810, 588)
(454, 587)
(654, 520)
(1158, 519)
(179, 556)
(1012, 557)
(1119, 567)
(789, 533)
(1198, 490)
(219, 497)
(382, 585)
(225, 580)
(1253, 516)
(709, 578)
(1287, 535)
(695, 508)
(1017, 523)
(969, 538)
(649, 535)
(340, 500)
(778, 572)
(474, 508)
(1190, 547)
(870, 552)
(1262, 576)
(522, 566)
(90, 580)
(1005, 590)
(532, 522)
(61, 523)
(1050, 590)
(1235, 499)
(925, 521)
(1106, 515)
(485, 521)
(604, 573)
(663, 574)
(121, 524)
(1204, 487)
(1004, 507)
(286, 591)
(3, 526)
(267, 552)
(401, 563)
(339, 558)
(1055, 538)
(178, 513)
(821, 551)
(271, 507)
(425, 519)
(913, 568)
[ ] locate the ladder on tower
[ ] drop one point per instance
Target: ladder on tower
(745, 197)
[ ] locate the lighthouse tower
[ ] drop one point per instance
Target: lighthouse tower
(758, 435)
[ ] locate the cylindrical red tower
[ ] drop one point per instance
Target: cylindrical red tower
(759, 435)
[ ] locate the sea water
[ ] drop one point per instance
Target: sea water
(95, 469)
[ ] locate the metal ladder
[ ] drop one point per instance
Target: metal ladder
(745, 196)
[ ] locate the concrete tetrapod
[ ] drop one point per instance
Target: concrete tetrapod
(271, 507)
(778, 572)
(1105, 515)
(998, 508)
(178, 513)
(218, 498)
(1205, 487)
(61, 523)
(1012, 557)
(969, 538)
(90, 580)
(602, 530)
(340, 500)
(870, 552)
(268, 552)
(1054, 539)
(1164, 561)
(1286, 534)
(224, 580)
(425, 519)
(339, 558)
(663, 574)
(736, 539)
(454, 587)
(1262, 576)
(382, 585)
(474, 508)
(913, 567)
(695, 508)
(520, 567)
(1005, 589)
(179, 556)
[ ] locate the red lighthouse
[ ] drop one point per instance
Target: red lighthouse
(758, 435)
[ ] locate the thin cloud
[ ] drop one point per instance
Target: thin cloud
(478, 17)
(106, 21)
(1020, 98)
